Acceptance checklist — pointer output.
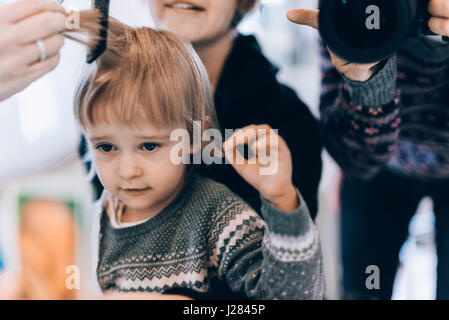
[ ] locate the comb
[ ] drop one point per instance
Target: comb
(103, 6)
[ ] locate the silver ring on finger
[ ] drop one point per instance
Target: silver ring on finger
(42, 50)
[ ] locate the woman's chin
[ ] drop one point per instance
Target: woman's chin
(186, 33)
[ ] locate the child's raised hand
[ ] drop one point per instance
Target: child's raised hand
(268, 166)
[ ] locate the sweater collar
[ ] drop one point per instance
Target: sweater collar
(109, 203)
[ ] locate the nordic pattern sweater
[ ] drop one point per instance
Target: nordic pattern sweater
(210, 241)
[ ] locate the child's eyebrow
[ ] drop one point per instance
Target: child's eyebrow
(161, 137)
(98, 138)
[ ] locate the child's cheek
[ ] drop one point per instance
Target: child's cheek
(105, 171)
(102, 156)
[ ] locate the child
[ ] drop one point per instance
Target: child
(161, 226)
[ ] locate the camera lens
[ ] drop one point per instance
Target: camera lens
(365, 30)
(350, 20)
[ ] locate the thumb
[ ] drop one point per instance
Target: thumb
(304, 16)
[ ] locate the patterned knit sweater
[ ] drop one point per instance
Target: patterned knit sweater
(210, 241)
(399, 119)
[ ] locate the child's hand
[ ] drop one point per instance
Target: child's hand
(269, 169)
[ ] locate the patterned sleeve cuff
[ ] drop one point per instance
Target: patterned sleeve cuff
(288, 224)
(291, 237)
(377, 91)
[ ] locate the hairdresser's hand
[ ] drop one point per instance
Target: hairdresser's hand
(353, 71)
(22, 23)
(269, 166)
(439, 22)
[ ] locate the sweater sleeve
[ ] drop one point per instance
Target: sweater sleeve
(277, 259)
(360, 121)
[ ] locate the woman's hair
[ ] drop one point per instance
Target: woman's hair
(144, 76)
(243, 8)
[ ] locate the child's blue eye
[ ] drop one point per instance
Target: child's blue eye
(106, 147)
(150, 146)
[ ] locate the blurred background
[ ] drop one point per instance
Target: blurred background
(40, 166)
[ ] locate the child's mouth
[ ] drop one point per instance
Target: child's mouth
(135, 192)
(184, 6)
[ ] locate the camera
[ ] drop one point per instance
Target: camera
(365, 31)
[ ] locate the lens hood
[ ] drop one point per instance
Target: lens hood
(343, 28)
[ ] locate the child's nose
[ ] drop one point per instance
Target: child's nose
(129, 167)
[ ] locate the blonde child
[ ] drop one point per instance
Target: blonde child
(160, 225)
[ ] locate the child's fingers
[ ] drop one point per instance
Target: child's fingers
(258, 138)
(268, 139)
(230, 147)
(266, 149)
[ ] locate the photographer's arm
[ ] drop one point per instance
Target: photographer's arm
(23, 23)
(360, 121)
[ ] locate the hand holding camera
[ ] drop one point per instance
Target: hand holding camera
(354, 71)
(360, 33)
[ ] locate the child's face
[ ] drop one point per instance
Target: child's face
(134, 164)
(194, 20)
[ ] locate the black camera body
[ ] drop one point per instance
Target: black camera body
(365, 31)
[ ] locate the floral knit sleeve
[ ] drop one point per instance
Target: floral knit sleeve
(360, 121)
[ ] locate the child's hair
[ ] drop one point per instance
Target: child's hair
(144, 76)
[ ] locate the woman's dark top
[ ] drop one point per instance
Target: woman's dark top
(249, 93)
